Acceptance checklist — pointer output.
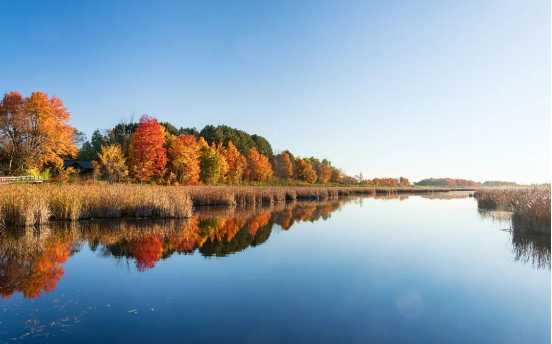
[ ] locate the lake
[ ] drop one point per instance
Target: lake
(396, 269)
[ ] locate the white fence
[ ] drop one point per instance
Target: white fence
(21, 179)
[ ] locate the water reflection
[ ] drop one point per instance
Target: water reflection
(30, 262)
(453, 195)
(498, 216)
(448, 195)
(380, 272)
(531, 247)
(31, 259)
(528, 246)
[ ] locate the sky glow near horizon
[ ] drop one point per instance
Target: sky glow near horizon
(415, 89)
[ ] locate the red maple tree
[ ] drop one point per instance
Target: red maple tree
(148, 155)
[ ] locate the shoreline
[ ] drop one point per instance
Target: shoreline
(23, 205)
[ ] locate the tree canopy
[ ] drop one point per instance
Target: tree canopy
(34, 132)
(35, 135)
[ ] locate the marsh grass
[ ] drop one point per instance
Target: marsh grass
(527, 212)
(29, 205)
(241, 195)
(530, 206)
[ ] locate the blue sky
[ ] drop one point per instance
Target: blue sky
(418, 89)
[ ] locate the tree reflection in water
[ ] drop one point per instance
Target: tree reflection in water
(30, 259)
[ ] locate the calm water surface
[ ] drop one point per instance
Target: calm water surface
(373, 270)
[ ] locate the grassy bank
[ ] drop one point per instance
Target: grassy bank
(238, 195)
(28, 205)
(530, 206)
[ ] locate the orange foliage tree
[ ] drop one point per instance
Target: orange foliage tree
(34, 131)
(236, 162)
(325, 174)
(305, 171)
(148, 155)
(283, 166)
(258, 166)
(184, 153)
(322, 170)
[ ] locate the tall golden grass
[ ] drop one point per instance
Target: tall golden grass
(28, 205)
(239, 195)
(530, 206)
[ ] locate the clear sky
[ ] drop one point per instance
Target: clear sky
(419, 89)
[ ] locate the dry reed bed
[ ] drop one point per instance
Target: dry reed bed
(240, 195)
(530, 206)
(28, 205)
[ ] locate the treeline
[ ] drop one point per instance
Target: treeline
(447, 182)
(390, 182)
(214, 155)
(499, 183)
(121, 134)
(152, 151)
(35, 137)
(461, 182)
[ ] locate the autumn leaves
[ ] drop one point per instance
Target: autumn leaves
(185, 153)
(147, 152)
(35, 135)
(157, 156)
(34, 132)
(258, 167)
(188, 160)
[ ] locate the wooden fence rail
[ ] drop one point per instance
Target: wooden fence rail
(21, 179)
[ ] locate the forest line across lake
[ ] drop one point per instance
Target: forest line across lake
(156, 152)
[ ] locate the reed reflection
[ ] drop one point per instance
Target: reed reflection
(31, 259)
(528, 246)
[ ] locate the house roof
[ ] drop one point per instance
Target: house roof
(85, 165)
